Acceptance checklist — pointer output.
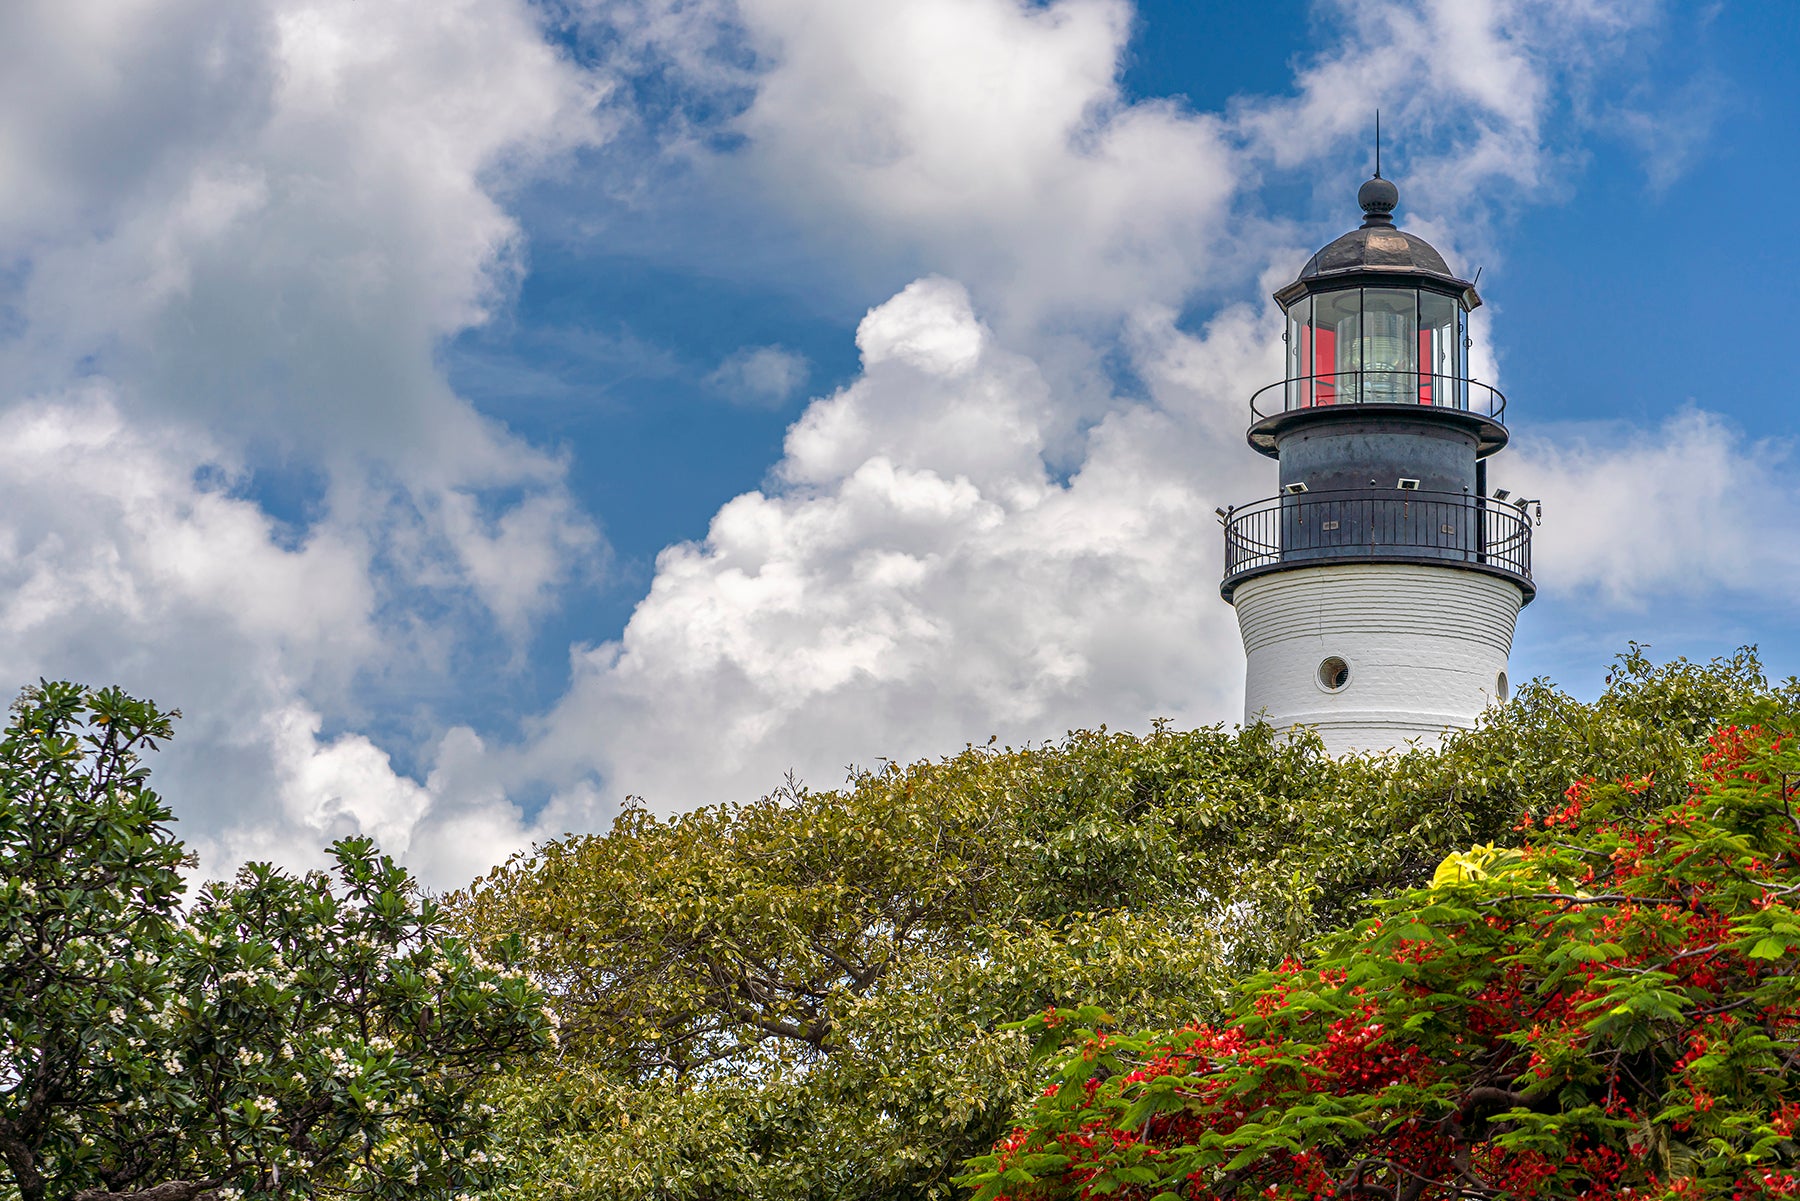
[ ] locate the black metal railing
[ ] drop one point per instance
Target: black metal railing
(1377, 524)
(1379, 387)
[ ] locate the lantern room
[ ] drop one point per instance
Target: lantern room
(1377, 318)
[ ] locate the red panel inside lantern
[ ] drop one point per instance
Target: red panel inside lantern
(1323, 366)
(1426, 379)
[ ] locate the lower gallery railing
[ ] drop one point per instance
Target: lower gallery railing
(1386, 524)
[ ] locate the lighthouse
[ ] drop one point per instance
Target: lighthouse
(1378, 589)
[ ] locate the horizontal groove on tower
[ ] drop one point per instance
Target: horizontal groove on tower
(1387, 599)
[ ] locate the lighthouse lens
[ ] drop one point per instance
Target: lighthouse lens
(1390, 345)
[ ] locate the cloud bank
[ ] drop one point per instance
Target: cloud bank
(235, 235)
(238, 235)
(961, 543)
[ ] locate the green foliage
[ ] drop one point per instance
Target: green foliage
(1610, 1011)
(286, 1038)
(810, 996)
(1651, 721)
(813, 951)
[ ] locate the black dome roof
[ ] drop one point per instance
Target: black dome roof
(1377, 246)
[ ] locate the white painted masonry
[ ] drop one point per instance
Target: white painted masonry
(1425, 645)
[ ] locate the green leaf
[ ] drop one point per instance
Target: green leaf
(1770, 947)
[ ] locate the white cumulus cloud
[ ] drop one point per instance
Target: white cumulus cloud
(982, 534)
(761, 376)
(236, 233)
(918, 578)
(1690, 507)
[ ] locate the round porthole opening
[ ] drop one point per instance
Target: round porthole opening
(1502, 687)
(1334, 674)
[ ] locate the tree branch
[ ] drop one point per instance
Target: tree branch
(174, 1190)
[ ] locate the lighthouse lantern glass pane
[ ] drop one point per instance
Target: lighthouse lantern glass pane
(1440, 349)
(1462, 357)
(1334, 347)
(1389, 340)
(1299, 391)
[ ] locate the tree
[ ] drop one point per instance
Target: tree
(739, 984)
(287, 1037)
(809, 996)
(1610, 1011)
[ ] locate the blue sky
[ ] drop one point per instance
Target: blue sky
(1621, 280)
(472, 413)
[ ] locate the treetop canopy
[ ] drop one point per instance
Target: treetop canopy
(1611, 1010)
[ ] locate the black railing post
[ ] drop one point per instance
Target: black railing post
(1481, 510)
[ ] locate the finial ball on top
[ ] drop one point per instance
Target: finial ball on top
(1378, 197)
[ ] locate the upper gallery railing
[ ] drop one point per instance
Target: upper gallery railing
(1379, 387)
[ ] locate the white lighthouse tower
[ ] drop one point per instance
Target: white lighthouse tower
(1377, 591)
